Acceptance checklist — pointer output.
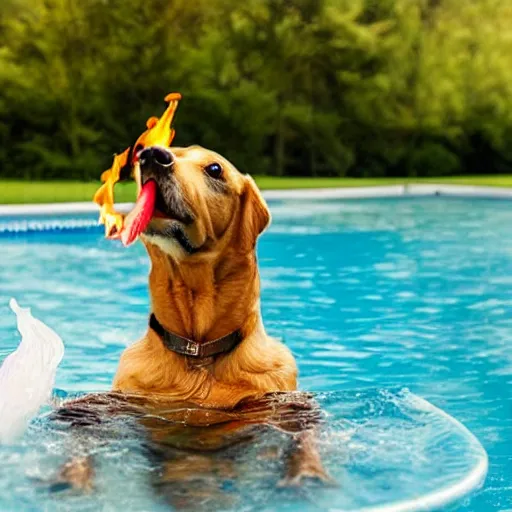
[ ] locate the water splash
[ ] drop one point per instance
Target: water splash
(27, 375)
(388, 451)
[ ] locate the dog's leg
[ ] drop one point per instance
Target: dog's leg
(304, 461)
(77, 474)
(299, 416)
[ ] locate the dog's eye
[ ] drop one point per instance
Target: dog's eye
(214, 170)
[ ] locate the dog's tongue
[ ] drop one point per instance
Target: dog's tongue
(138, 219)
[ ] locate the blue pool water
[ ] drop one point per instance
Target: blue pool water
(369, 295)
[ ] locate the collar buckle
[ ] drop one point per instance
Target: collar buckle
(192, 348)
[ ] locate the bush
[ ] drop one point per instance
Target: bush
(432, 159)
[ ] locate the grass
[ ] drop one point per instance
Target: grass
(15, 192)
(26, 192)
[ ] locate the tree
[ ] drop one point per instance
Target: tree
(298, 87)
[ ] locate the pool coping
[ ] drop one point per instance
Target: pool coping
(405, 190)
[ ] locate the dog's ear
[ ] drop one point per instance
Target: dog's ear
(255, 214)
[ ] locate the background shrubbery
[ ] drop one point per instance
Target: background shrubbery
(284, 87)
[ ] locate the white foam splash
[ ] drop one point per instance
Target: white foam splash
(27, 375)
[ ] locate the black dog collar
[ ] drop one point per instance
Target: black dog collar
(186, 347)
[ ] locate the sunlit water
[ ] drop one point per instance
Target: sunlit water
(372, 296)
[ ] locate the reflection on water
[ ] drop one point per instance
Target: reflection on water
(380, 447)
(367, 293)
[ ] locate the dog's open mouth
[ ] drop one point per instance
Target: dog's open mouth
(150, 205)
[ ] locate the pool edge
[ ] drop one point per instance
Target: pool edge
(406, 190)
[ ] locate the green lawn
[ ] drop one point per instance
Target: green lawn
(13, 192)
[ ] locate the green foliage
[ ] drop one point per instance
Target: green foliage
(283, 87)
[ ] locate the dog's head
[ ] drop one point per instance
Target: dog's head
(202, 202)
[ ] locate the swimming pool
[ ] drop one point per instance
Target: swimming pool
(369, 294)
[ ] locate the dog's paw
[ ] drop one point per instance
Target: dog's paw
(304, 475)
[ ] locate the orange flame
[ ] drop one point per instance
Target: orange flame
(159, 132)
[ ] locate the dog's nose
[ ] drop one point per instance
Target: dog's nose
(155, 157)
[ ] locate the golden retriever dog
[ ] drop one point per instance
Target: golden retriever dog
(204, 284)
(205, 345)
